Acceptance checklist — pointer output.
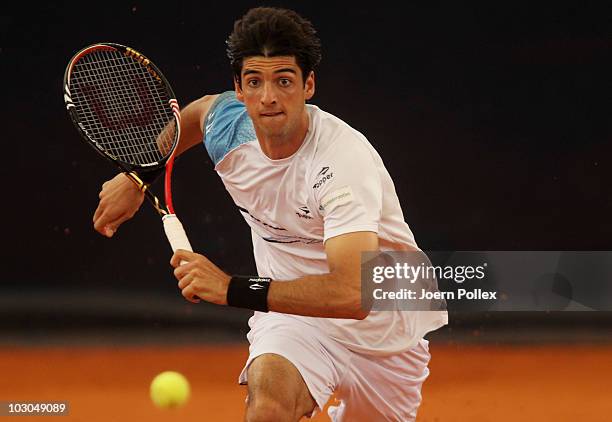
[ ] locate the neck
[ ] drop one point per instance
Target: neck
(284, 145)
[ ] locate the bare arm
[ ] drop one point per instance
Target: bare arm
(336, 294)
(192, 122)
(120, 198)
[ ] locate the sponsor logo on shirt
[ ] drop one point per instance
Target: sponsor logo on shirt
(324, 177)
(209, 125)
(341, 196)
(303, 213)
(323, 171)
(258, 220)
(274, 234)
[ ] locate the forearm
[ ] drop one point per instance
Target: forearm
(326, 295)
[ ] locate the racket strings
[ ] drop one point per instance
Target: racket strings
(123, 107)
(130, 119)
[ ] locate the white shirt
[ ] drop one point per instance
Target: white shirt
(335, 183)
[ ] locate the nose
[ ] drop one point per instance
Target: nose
(268, 95)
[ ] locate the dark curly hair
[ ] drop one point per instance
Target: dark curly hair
(270, 32)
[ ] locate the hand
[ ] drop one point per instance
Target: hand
(198, 278)
(119, 201)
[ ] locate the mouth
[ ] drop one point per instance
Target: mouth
(271, 114)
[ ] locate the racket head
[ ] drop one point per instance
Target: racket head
(123, 106)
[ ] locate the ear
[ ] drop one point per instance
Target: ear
(309, 86)
(239, 93)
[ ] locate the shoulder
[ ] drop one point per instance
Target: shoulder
(227, 126)
(342, 156)
(336, 140)
(224, 109)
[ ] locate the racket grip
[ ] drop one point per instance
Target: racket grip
(175, 233)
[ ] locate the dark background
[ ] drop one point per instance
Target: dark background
(494, 123)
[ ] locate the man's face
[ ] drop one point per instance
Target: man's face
(274, 93)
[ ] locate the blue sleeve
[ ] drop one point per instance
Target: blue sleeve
(226, 126)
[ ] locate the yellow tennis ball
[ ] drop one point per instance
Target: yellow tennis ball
(169, 389)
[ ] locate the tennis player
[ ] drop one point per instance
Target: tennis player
(315, 194)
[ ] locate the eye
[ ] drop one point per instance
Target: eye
(284, 82)
(253, 83)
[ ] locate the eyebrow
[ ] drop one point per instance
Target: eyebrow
(283, 70)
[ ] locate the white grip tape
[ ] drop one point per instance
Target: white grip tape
(175, 233)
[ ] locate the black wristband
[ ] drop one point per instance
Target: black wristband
(250, 292)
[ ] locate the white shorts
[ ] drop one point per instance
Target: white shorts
(368, 388)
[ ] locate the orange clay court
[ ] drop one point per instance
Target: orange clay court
(467, 382)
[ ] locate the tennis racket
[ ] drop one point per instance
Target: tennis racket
(123, 107)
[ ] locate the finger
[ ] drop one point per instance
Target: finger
(182, 271)
(97, 213)
(114, 225)
(175, 261)
(100, 224)
(108, 228)
(181, 256)
(189, 295)
(184, 281)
